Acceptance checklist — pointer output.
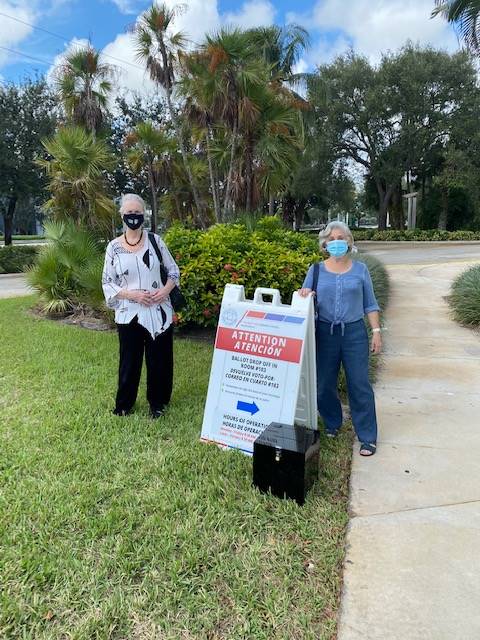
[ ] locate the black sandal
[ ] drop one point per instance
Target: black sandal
(368, 446)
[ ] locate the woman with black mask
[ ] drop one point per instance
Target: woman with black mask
(133, 287)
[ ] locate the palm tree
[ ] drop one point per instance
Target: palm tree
(199, 87)
(282, 48)
(150, 149)
(464, 14)
(237, 77)
(159, 48)
(84, 84)
(75, 172)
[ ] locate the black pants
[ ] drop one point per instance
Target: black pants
(134, 341)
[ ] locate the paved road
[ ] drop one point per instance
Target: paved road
(14, 285)
(421, 252)
(412, 564)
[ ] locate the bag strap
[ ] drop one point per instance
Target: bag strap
(156, 248)
(316, 270)
(154, 244)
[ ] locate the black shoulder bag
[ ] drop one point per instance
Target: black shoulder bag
(176, 296)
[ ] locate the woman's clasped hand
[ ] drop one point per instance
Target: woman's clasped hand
(148, 298)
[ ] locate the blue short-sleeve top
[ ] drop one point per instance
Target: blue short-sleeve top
(343, 297)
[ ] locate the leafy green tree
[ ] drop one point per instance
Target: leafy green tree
(457, 173)
(27, 114)
(395, 118)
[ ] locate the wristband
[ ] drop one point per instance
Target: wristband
(377, 330)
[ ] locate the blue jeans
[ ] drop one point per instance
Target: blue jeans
(348, 345)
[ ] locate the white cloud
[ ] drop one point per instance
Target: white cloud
(130, 74)
(373, 27)
(11, 31)
(128, 7)
(326, 49)
(200, 17)
(252, 14)
(301, 66)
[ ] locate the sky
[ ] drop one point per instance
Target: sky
(35, 33)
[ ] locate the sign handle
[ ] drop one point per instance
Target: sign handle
(261, 291)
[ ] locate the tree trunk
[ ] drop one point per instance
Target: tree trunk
(396, 210)
(8, 219)
(299, 214)
(443, 219)
(288, 211)
(193, 186)
(271, 206)
(249, 176)
(384, 196)
(213, 185)
(178, 207)
(153, 191)
(226, 203)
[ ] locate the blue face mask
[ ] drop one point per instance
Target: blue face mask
(337, 248)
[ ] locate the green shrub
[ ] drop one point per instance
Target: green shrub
(16, 259)
(229, 253)
(465, 297)
(418, 235)
(68, 270)
(268, 257)
(380, 279)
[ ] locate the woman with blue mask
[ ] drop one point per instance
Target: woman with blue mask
(133, 287)
(344, 296)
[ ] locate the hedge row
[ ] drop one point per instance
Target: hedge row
(16, 259)
(421, 235)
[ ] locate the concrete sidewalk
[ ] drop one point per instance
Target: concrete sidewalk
(412, 567)
(13, 285)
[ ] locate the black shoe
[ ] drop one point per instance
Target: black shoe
(157, 412)
(121, 412)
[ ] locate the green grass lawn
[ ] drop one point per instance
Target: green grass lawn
(132, 529)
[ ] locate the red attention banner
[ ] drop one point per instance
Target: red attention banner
(262, 345)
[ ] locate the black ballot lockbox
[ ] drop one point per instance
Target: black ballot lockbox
(285, 460)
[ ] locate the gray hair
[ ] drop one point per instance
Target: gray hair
(324, 236)
(131, 197)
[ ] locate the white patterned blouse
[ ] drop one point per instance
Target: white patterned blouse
(139, 270)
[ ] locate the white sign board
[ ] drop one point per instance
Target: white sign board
(263, 368)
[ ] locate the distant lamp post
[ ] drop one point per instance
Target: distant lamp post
(412, 209)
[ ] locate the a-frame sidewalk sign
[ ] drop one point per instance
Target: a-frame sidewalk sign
(263, 368)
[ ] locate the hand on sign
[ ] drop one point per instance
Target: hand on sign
(304, 292)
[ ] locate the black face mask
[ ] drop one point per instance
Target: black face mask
(134, 220)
